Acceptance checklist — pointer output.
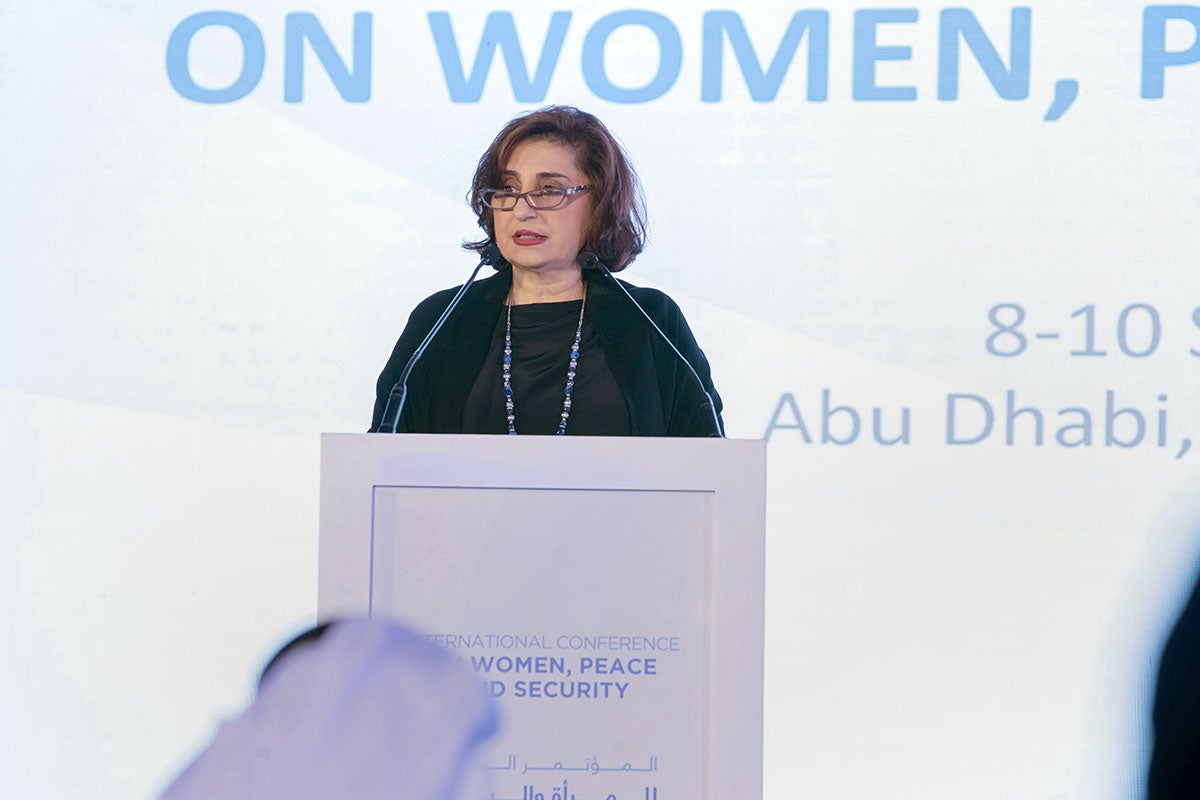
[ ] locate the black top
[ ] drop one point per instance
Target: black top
(542, 336)
(660, 395)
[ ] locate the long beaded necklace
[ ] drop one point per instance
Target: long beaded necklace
(508, 392)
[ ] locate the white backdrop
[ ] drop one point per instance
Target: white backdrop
(197, 284)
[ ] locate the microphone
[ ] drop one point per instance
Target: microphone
(590, 262)
(390, 420)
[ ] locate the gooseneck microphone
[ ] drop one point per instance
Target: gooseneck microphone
(390, 420)
(591, 262)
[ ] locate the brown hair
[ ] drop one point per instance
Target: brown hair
(616, 232)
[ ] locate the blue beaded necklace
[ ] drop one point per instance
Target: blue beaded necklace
(508, 392)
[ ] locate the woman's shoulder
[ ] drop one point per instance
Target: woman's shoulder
(481, 290)
(653, 300)
(436, 302)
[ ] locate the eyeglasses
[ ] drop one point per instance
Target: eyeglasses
(546, 199)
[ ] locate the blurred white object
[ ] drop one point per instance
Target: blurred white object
(369, 710)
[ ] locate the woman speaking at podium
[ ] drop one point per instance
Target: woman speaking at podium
(551, 343)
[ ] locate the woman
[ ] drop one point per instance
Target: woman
(541, 347)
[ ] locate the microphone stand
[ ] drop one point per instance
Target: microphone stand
(390, 420)
(589, 261)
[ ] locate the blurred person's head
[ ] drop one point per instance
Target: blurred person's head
(359, 708)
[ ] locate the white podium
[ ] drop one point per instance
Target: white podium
(609, 591)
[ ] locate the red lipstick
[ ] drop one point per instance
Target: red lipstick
(526, 238)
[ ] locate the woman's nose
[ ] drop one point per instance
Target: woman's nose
(523, 210)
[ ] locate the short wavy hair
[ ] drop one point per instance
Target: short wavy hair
(616, 232)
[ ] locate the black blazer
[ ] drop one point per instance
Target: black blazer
(660, 393)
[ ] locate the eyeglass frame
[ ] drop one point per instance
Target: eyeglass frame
(487, 195)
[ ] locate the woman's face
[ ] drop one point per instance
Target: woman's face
(543, 241)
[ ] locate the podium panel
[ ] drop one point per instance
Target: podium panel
(608, 592)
